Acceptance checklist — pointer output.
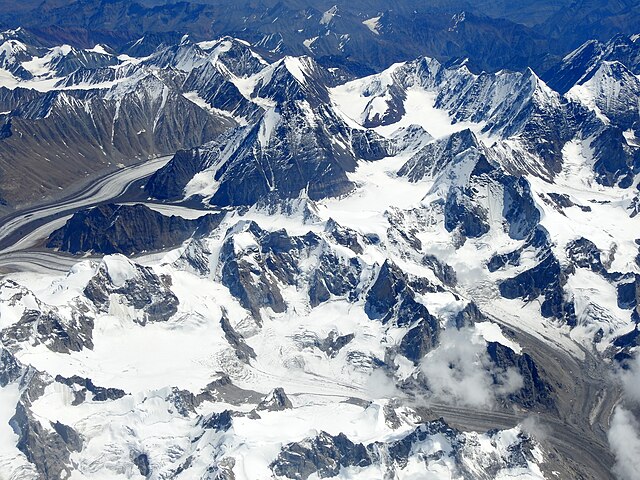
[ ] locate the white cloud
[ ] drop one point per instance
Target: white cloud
(534, 428)
(624, 431)
(624, 440)
(379, 385)
(631, 381)
(460, 371)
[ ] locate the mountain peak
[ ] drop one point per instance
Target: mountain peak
(293, 78)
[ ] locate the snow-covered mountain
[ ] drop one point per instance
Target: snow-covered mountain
(421, 273)
(113, 108)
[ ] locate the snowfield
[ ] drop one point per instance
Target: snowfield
(479, 259)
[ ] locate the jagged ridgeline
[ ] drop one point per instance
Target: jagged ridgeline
(425, 272)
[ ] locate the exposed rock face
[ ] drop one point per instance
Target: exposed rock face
(243, 351)
(616, 163)
(445, 273)
(334, 343)
(48, 451)
(584, 254)
(420, 339)
(255, 265)
(139, 286)
(629, 293)
(10, 369)
(461, 212)
(218, 421)
(169, 182)
(144, 118)
(127, 229)
(401, 450)
(83, 385)
(142, 462)
(437, 156)
(292, 150)
(275, 401)
(249, 280)
(224, 390)
(390, 298)
(625, 346)
(62, 335)
(538, 239)
(468, 316)
(547, 279)
(336, 276)
(535, 389)
(519, 208)
(614, 90)
(324, 455)
(345, 237)
(383, 294)
(212, 84)
(195, 258)
(332, 277)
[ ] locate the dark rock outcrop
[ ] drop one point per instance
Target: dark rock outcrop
(538, 240)
(82, 385)
(545, 279)
(442, 154)
(519, 208)
(616, 163)
(127, 229)
(254, 264)
(249, 280)
(469, 315)
(324, 455)
(445, 273)
(195, 258)
(535, 389)
(391, 298)
(168, 182)
(628, 288)
(62, 335)
(625, 345)
(10, 369)
(420, 339)
(141, 288)
(218, 421)
(243, 351)
(461, 212)
(583, 253)
(48, 451)
(334, 343)
(224, 390)
(333, 277)
(141, 461)
(275, 401)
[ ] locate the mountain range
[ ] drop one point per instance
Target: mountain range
(356, 260)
